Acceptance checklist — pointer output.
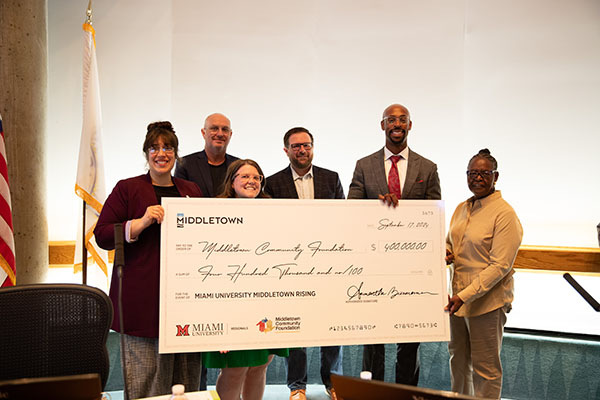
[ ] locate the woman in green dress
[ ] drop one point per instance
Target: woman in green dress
(243, 372)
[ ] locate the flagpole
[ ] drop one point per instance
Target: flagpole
(88, 20)
(83, 249)
(88, 14)
(89, 185)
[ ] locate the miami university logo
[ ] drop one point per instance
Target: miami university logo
(183, 330)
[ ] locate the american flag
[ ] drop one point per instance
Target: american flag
(8, 273)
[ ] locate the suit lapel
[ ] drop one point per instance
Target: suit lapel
(205, 172)
(228, 159)
(289, 184)
(317, 183)
(412, 172)
(378, 171)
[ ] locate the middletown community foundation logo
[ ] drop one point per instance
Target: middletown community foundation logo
(265, 325)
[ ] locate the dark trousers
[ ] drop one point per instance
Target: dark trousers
(407, 362)
(203, 378)
(331, 362)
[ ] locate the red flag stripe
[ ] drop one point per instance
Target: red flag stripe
(7, 252)
(3, 165)
(5, 211)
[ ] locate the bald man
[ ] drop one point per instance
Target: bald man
(207, 168)
(391, 173)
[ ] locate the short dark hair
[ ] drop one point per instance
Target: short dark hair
(228, 191)
(162, 129)
(298, 129)
(485, 153)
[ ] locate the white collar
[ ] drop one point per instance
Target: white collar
(296, 176)
(387, 153)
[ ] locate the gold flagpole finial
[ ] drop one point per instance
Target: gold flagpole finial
(88, 14)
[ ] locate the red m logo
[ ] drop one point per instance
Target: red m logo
(183, 330)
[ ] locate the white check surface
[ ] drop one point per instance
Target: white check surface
(266, 273)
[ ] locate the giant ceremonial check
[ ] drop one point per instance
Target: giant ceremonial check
(265, 273)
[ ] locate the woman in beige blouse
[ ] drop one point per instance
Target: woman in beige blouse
(482, 243)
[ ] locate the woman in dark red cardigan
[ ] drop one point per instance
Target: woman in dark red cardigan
(135, 202)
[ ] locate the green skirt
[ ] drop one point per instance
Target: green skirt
(240, 358)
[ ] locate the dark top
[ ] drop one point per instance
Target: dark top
(165, 191)
(195, 168)
(217, 173)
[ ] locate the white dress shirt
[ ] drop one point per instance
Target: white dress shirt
(402, 164)
(304, 184)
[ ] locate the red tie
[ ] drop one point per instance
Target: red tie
(393, 178)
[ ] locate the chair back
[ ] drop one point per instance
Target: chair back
(54, 330)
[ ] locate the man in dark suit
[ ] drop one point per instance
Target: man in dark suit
(392, 173)
(207, 168)
(302, 180)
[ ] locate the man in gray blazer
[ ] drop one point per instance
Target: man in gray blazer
(302, 180)
(207, 168)
(392, 173)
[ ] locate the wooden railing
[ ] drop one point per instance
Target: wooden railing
(62, 253)
(550, 258)
(554, 258)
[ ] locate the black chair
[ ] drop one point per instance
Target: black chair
(54, 330)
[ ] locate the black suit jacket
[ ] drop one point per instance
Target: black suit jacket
(327, 184)
(195, 168)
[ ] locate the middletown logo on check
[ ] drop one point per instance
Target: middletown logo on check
(208, 220)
